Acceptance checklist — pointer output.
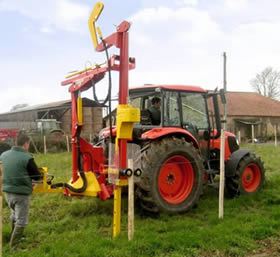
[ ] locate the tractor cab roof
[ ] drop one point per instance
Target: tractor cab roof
(150, 87)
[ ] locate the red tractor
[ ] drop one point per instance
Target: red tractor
(178, 146)
(7, 139)
(182, 153)
(7, 134)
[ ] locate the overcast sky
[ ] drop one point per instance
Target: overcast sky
(174, 42)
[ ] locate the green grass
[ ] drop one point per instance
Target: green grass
(82, 227)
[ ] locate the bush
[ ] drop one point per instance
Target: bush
(4, 147)
(54, 143)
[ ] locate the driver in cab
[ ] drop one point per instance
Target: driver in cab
(155, 111)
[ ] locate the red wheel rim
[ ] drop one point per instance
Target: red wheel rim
(176, 179)
(251, 178)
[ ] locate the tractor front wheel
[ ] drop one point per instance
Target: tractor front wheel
(249, 177)
(172, 177)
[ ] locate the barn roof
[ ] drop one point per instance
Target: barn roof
(55, 105)
(251, 104)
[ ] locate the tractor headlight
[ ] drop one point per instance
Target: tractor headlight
(233, 144)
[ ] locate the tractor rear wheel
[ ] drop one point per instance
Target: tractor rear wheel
(172, 177)
(249, 177)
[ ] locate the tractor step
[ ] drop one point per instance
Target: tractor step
(210, 172)
(214, 185)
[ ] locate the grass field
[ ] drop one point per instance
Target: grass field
(82, 227)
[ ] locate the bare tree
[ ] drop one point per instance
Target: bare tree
(18, 106)
(267, 83)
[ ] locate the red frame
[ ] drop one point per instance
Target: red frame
(93, 158)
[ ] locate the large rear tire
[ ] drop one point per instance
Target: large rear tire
(172, 177)
(249, 177)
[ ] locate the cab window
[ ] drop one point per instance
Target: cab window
(171, 109)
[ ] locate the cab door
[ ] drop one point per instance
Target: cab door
(171, 109)
(195, 117)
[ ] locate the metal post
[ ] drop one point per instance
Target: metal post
(275, 134)
(130, 203)
(222, 175)
(122, 143)
(74, 140)
(222, 151)
(253, 134)
(225, 89)
(123, 93)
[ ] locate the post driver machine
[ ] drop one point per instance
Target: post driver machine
(89, 171)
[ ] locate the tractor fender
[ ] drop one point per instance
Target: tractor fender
(156, 133)
(232, 163)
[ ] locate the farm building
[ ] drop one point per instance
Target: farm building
(27, 118)
(247, 110)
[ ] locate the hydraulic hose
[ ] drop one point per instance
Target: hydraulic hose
(108, 97)
(75, 190)
(81, 171)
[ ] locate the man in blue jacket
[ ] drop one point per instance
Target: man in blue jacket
(19, 168)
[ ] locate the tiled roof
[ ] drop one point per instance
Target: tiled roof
(250, 104)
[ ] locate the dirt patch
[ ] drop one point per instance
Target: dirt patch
(269, 248)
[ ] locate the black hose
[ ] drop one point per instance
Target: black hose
(81, 171)
(108, 97)
(75, 190)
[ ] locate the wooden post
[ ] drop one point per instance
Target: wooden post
(45, 145)
(253, 134)
(239, 136)
(67, 143)
(130, 202)
(1, 209)
(275, 134)
(31, 139)
(222, 176)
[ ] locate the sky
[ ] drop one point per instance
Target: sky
(173, 41)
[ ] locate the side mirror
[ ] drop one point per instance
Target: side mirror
(204, 134)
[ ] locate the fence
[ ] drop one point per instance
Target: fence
(53, 143)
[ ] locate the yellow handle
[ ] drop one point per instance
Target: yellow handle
(80, 111)
(91, 22)
(78, 72)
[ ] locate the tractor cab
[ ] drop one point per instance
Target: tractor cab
(183, 110)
